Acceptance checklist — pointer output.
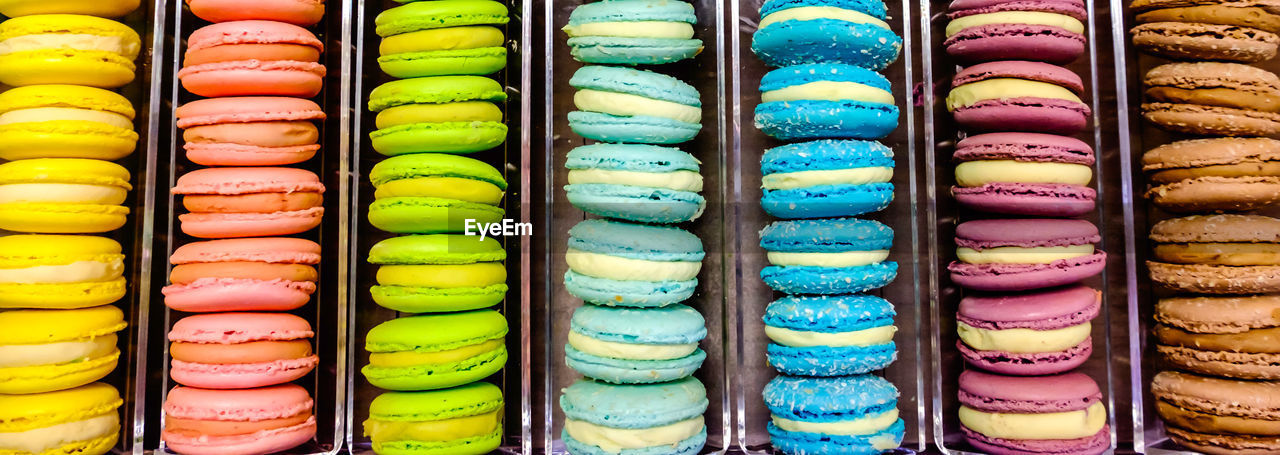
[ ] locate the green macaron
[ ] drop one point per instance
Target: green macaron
(431, 193)
(442, 37)
(439, 114)
(464, 420)
(438, 273)
(436, 351)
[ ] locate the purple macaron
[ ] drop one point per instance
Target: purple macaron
(983, 319)
(978, 39)
(1024, 193)
(1017, 95)
(985, 394)
(1025, 254)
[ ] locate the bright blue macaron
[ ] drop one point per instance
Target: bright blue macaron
(826, 179)
(828, 256)
(794, 32)
(835, 335)
(825, 101)
(618, 104)
(635, 182)
(635, 345)
(628, 264)
(592, 407)
(633, 32)
(871, 400)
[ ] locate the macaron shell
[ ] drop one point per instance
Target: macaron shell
(231, 225)
(49, 378)
(242, 375)
(826, 41)
(1029, 199)
(990, 392)
(628, 371)
(479, 62)
(802, 442)
(61, 295)
(1213, 279)
(254, 77)
(429, 215)
(815, 119)
(113, 8)
(827, 201)
(75, 67)
(442, 137)
(61, 218)
(296, 12)
(1216, 194)
(611, 50)
(1089, 445)
(431, 377)
(65, 139)
(1211, 120)
(1015, 42)
(603, 291)
(1025, 277)
(270, 441)
(225, 154)
(1044, 115)
(639, 129)
(1035, 364)
(636, 203)
(1199, 41)
(229, 294)
(409, 299)
(829, 280)
(830, 360)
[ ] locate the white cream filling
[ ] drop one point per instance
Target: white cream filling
(62, 193)
(861, 426)
(1020, 255)
(38, 440)
(841, 259)
(677, 180)
(807, 339)
(614, 440)
(808, 13)
(829, 91)
(1049, 425)
(25, 355)
(75, 272)
(48, 114)
(1062, 21)
(626, 105)
(1023, 341)
(618, 350)
(627, 269)
(76, 41)
(804, 179)
(632, 29)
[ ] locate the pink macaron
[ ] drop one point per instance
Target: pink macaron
(249, 274)
(1018, 95)
(252, 57)
(992, 330)
(1025, 254)
(976, 34)
(1025, 174)
(297, 12)
(240, 350)
(986, 397)
(229, 202)
(250, 130)
(237, 422)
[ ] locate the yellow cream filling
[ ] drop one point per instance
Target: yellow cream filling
(443, 275)
(1052, 425)
(803, 179)
(39, 440)
(614, 440)
(978, 173)
(442, 39)
(805, 339)
(383, 431)
(1005, 88)
(855, 427)
(447, 187)
(829, 91)
(678, 180)
(1023, 341)
(627, 269)
(62, 193)
(26, 355)
(626, 104)
(617, 350)
(1062, 21)
(809, 13)
(842, 259)
(76, 41)
(464, 111)
(1019, 255)
(75, 272)
(411, 358)
(47, 114)
(633, 29)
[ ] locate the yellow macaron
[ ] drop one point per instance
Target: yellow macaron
(65, 121)
(63, 195)
(48, 350)
(100, 8)
(82, 421)
(67, 49)
(60, 271)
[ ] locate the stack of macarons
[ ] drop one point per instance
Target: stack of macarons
(633, 339)
(829, 331)
(1022, 251)
(250, 131)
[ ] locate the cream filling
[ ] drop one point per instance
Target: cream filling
(978, 173)
(47, 114)
(632, 29)
(829, 91)
(1019, 255)
(804, 179)
(627, 269)
(25, 355)
(38, 440)
(1050, 425)
(1062, 21)
(861, 426)
(842, 259)
(75, 272)
(626, 104)
(806, 339)
(677, 180)
(614, 440)
(1023, 341)
(76, 41)
(62, 193)
(808, 13)
(1005, 88)
(616, 350)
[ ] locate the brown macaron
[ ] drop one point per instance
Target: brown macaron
(1201, 41)
(1219, 416)
(1210, 175)
(1236, 337)
(1259, 14)
(1217, 254)
(1214, 84)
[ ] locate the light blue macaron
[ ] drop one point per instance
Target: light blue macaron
(785, 167)
(839, 235)
(829, 315)
(824, 118)
(828, 400)
(827, 40)
(629, 50)
(635, 128)
(635, 407)
(643, 327)
(631, 241)
(610, 196)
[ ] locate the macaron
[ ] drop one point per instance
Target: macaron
(826, 100)
(1230, 30)
(48, 350)
(438, 273)
(60, 271)
(470, 417)
(85, 420)
(254, 274)
(428, 193)
(436, 351)
(240, 350)
(1028, 334)
(67, 49)
(63, 195)
(623, 264)
(1214, 99)
(633, 32)
(1018, 96)
(438, 38)
(1025, 174)
(829, 256)
(853, 32)
(237, 422)
(65, 121)
(297, 12)
(635, 345)
(1224, 12)
(837, 335)
(1220, 336)
(249, 201)
(1008, 415)
(110, 8)
(252, 57)
(826, 179)
(991, 30)
(635, 182)
(1218, 174)
(618, 104)
(1025, 254)
(442, 114)
(602, 418)
(1218, 416)
(1217, 254)
(842, 414)
(250, 130)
